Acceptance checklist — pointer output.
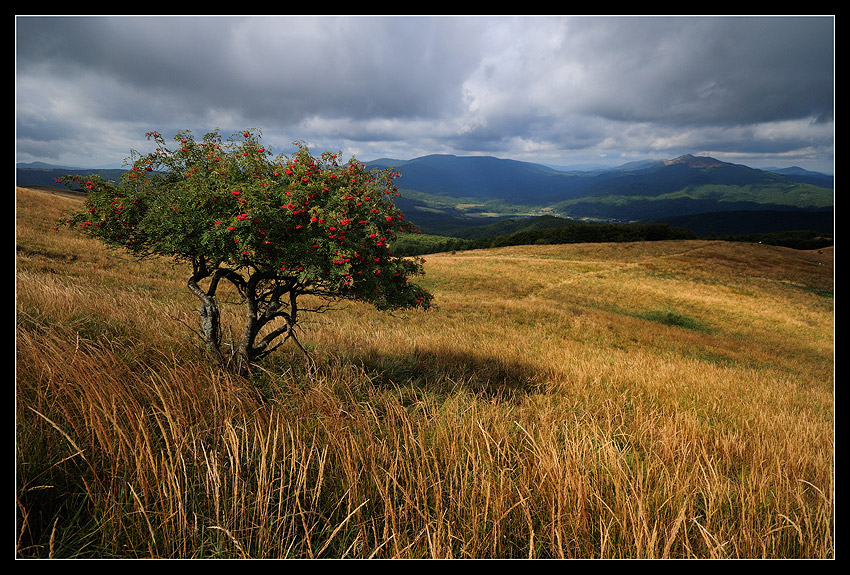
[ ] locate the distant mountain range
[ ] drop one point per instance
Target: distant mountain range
(449, 190)
(41, 174)
(527, 183)
(442, 193)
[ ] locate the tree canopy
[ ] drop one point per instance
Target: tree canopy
(276, 227)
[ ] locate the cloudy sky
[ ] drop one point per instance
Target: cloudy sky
(558, 90)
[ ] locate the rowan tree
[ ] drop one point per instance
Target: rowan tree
(280, 229)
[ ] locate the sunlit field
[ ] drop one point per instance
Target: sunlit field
(634, 400)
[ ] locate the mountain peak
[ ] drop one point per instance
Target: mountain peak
(696, 161)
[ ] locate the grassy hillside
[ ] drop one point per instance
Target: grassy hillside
(658, 399)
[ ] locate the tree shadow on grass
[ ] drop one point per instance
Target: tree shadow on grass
(444, 373)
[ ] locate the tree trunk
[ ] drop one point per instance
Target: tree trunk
(210, 316)
(260, 309)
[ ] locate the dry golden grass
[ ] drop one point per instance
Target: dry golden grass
(647, 400)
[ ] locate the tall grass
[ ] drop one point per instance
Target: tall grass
(664, 400)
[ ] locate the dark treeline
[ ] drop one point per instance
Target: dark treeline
(572, 234)
(595, 232)
(796, 239)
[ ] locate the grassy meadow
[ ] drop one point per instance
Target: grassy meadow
(639, 400)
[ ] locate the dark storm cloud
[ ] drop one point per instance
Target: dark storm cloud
(543, 88)
(705, 70)
(273, 67)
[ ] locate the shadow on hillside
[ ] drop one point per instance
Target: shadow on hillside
(446, 372)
